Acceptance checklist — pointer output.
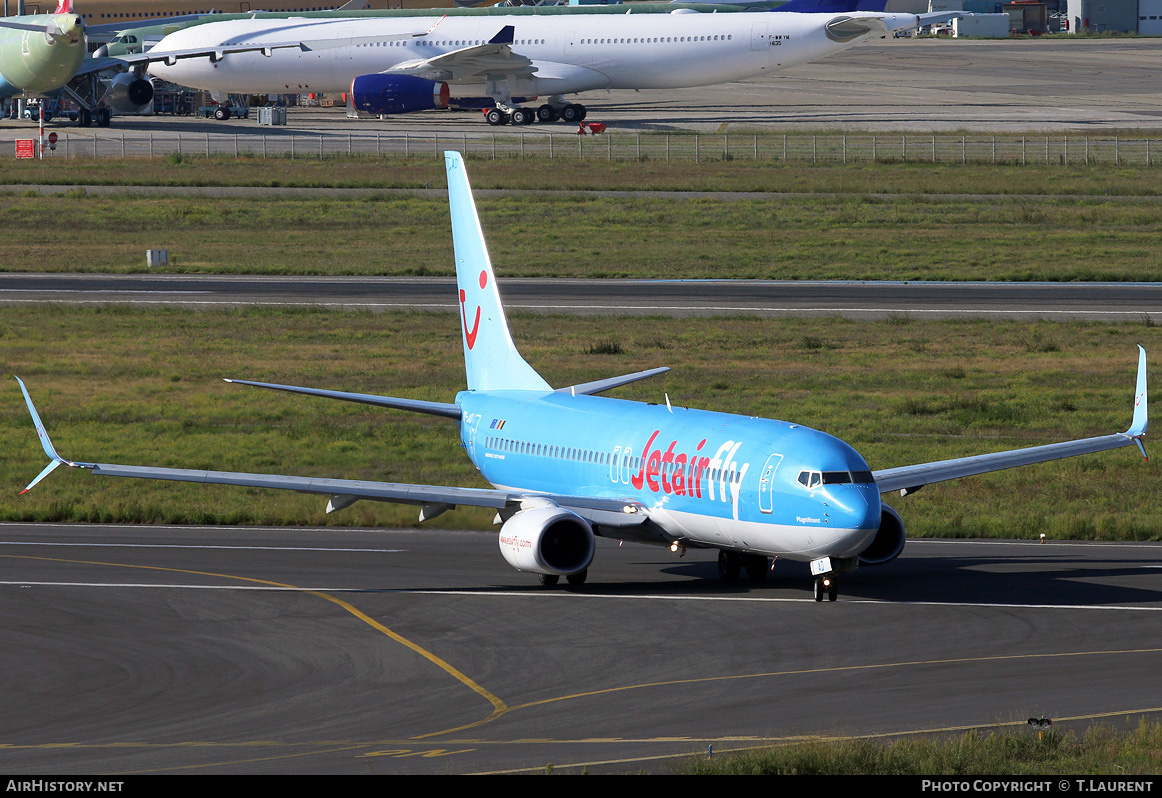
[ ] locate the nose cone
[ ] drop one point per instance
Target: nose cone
(52, 59)
(857, 517)
(71, 27)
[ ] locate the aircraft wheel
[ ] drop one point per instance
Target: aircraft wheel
(832, 592)
(728, 565)
(495, 117)
(756, 567)
(572, 113)
(84, 118)
(522, 116)
(584, 113)
(819, 590)
(222, 114)
(549, 580)
(104, 117)
(578, 578)
(547, 113)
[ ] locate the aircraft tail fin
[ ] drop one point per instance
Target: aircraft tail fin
(64, 7)
(491, 359)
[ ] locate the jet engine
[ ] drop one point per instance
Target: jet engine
(397, 94)
(547, 540)
(129, 94)
(889, 540)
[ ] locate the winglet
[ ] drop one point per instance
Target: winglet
(505, 36)
(45, 442)
(1141, 420)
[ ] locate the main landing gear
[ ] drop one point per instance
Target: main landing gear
(577, 579)
(571, 112)
(826, 585)
(731, 563)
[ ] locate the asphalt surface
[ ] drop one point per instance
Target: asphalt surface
(1050, 301)
(208, 650)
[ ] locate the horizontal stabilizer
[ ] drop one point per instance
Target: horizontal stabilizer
(415, 405)
(598, 386)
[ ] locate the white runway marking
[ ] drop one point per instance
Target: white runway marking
(189, 546)
(566, 595)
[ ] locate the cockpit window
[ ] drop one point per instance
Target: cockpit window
(813, 479)
(810, 479)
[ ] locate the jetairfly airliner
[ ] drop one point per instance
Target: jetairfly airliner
(568, 464)
(412, 64)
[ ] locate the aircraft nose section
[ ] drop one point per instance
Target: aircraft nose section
(859, 519)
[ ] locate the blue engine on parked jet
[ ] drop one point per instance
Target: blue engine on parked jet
(397, 94)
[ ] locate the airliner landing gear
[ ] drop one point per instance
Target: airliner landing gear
(577, 578)
(503, 114)
(826, 585)
(729, 564)
(573, 112)
(523, 116)
(757, 566)
(549, 580)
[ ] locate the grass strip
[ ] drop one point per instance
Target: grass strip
(711, 174)
(833, 237)
(1101, 750)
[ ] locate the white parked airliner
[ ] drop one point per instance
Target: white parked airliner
(397, 65)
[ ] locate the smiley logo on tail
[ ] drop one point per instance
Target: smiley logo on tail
(470, 335)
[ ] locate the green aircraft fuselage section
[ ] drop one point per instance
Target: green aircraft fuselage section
(33, 62)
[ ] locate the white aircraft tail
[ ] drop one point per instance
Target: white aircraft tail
(491, 359)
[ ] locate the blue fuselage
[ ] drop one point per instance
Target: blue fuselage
(711, 479)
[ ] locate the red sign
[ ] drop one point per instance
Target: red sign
(52, 138)
(25, 148)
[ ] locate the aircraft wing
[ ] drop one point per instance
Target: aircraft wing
(608, 512)
(909, 479)
(468, 63)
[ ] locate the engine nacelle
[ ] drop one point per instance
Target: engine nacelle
(129, 94)
(397, 94)
(547, 540)
(889, 540)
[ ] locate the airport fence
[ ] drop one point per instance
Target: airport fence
(620, 146)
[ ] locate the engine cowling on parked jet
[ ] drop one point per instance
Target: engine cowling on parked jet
(397, 94)
(889, 540)
(129, 94)
(547, 540)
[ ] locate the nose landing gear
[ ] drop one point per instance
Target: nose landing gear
(825, 585)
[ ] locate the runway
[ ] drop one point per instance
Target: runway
(871, 300)
(254, 650)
